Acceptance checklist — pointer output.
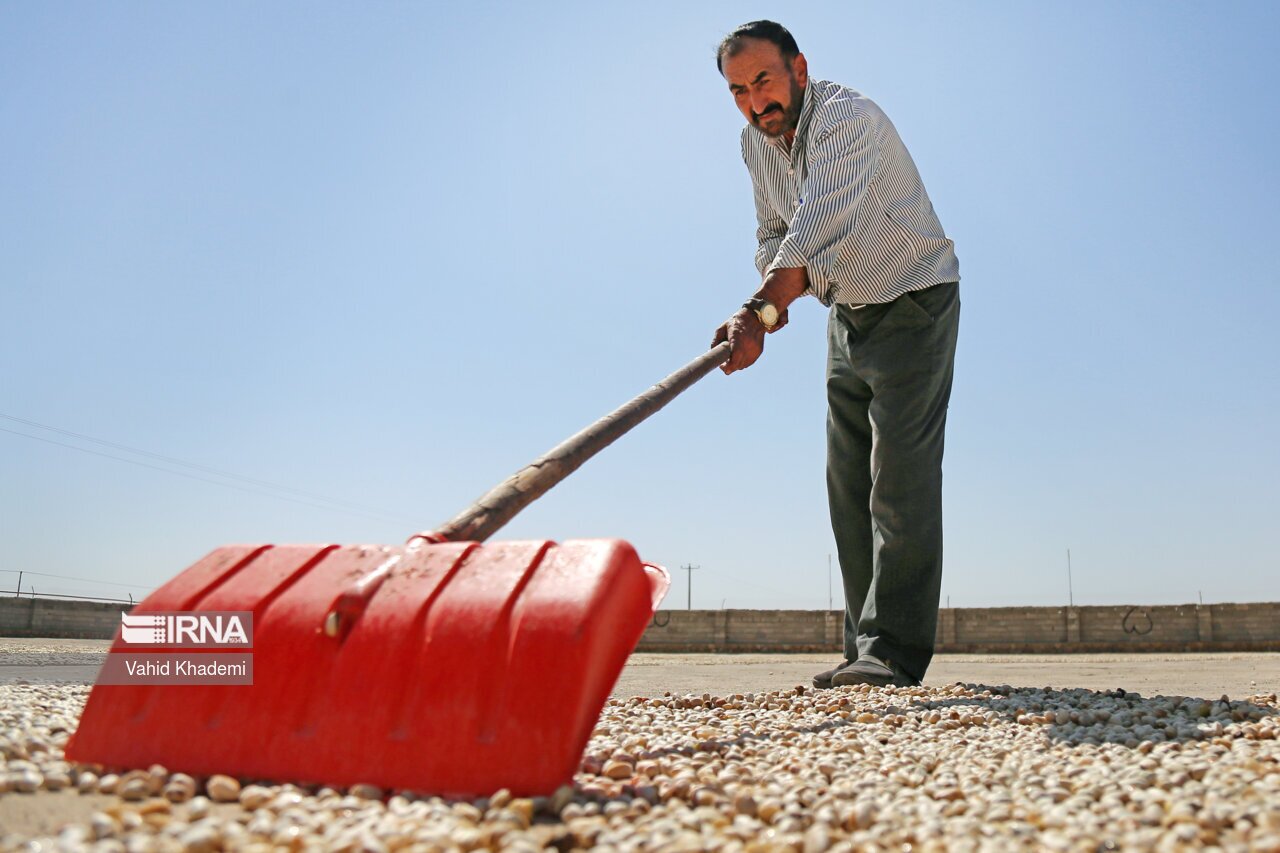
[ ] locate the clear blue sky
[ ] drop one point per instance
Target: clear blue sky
(389, 253)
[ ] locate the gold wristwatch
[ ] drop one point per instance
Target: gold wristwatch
(765, 310)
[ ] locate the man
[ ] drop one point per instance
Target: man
(844, 217)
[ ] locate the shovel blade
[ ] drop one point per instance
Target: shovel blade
(456, 668)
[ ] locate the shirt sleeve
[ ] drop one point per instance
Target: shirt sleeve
(771, 228)
(842, 162)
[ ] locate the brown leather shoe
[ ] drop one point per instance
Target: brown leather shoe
(823, 679)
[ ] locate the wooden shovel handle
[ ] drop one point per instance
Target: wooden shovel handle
(483, 518)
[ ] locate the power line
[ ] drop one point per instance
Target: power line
(68, 578)
(125, 447)
(259, 484)
(34, 594)
(230, 475)
(194, 476)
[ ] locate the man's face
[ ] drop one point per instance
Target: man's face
(768, 90)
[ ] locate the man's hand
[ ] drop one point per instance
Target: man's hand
(745, 334)
(744, 331)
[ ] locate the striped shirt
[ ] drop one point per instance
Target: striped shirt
(845, 202)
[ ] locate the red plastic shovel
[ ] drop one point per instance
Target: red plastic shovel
(443, 665)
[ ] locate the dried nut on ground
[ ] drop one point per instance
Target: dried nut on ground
(157, 776)
(197, 809)
(366, 792)
(768, 810)
(745, 804)
(73, 838)
(103, 825)
(180, 788)
(561, 798)
(285, 800)
(108, 784)
(522, 808)
(647, 793)
(468, 812)
(938, 768)
(200, 838)
(817, 839)
(254, 797)
(134, 787)
(222, 789)
(87, 783)
(705, 797)
(57, 780)
(618, 770)
(155, 806)
(26, 781)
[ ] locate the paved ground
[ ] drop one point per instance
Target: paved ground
(1207, 676)
(49, 661)
(1202, 675)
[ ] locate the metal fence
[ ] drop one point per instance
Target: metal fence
(23, 586)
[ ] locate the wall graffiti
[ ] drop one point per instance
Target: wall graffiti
(1137, 621)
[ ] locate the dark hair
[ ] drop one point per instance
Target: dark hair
(769, 31)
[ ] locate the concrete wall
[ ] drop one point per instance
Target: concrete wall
(1187, 627)
(743, 630)
(54, 617)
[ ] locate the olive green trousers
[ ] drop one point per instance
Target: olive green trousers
(889, 369)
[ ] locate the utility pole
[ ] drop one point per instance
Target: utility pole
(18, 594)
(690, 569)
(1071, 599)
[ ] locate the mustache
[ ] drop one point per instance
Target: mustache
(772, 108)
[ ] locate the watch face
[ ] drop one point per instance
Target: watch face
(769, 314)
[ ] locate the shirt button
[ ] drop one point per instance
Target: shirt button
(791, 171)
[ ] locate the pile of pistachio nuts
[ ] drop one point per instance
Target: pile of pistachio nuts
(958, 767)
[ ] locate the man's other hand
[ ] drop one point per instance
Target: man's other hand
(745, 334)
